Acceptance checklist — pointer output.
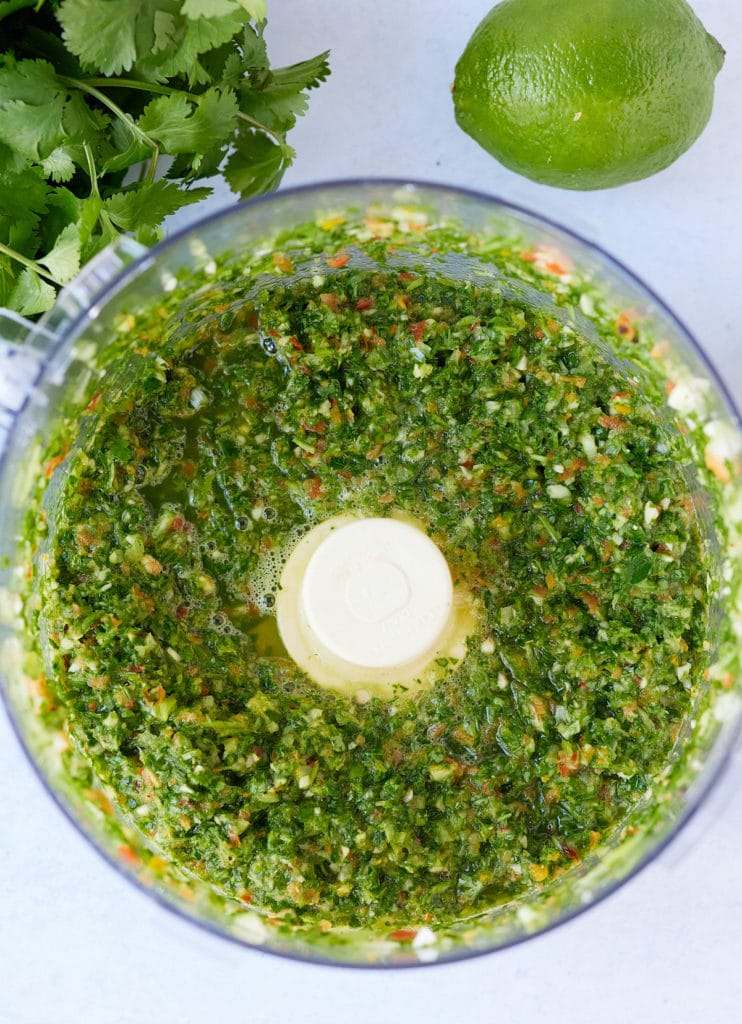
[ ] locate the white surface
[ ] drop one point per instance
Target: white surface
(78, 944)
(377, 593)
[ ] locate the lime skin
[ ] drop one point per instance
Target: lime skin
(587, 94)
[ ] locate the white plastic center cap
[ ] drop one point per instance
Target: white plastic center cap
(377, 593)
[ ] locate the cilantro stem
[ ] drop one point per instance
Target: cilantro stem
(92, 170)
(163, 90)
(152, 172)
(134, 83)
(94, 190)
(31, 264)
(11, 6)
(276, 136)
(136, 131)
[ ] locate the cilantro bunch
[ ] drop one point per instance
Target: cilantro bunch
(110, 110)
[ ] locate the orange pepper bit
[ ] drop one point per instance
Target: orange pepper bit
(339, 260)
(567, 764)
(625, 327)
(53, 463)
(283, 263)
(128, 856)
(313, 487)
(717, 466)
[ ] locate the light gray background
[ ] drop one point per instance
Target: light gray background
(79, 945)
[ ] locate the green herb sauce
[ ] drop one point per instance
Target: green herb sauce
(542, 466)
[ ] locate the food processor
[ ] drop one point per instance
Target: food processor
(54, 368)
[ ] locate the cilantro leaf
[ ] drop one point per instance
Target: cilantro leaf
(101, 32)
(66, 208)
(208, 8)
(181, 126)
(95, 94)
(306, 74)
(30, 81)
(255, 9)
(165, 31)
(63, 261)
(31, 294)
(256, 165)
(190, 40)
(59, 164)
(146, 205)
(24, 199)
(32, 131)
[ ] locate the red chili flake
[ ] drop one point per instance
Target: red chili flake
(314, 428)
(567, 764)
(331, 300)
(569, 851)
(338, 261)
(417, 330)
(138, 669)
(246, 897)
(576, 466)
(405, 276)
(403, 935)
(93, 402)
(617, 423)
(181, 611)
(365, 304)
(591, 601)
(296, 344)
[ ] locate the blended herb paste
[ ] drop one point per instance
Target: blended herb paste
(539, 463)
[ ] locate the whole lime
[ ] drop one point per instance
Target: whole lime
(587, 94)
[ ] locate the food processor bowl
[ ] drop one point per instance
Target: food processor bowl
(53, 369)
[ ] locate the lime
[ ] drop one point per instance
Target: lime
(587, 93)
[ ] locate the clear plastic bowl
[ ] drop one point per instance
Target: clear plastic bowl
(56, 363)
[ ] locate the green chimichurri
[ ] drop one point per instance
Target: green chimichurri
(559, 494)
